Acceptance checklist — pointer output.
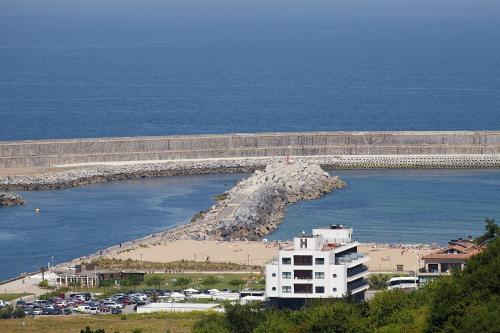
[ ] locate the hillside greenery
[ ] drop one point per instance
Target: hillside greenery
(467, 301)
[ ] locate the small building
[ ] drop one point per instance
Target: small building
(90, 276)
(323, 264)
(441, 262)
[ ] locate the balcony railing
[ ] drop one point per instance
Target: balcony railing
(356, 270)
(356, 284)
(347, 258)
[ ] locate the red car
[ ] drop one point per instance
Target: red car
(125, 301)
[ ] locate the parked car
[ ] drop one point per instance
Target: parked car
(115, 311)
(56, 311)
(46, 311)
(83, 309)
(113, 305)
(67, 311)
(37, 311)
(93, 310)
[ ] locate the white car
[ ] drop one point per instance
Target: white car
(3, 304)
(37, 311)
(93, 310)
(83, 309)
(113, 305)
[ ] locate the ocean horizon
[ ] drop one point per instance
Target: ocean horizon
(73, 69)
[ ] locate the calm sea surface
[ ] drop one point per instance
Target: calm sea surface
(401, 206)
(72, 68)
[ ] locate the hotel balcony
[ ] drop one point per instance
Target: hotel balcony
(351, 259)
(357, 272)
(357, 285)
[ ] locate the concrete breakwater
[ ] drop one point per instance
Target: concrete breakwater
(116, 171)
(45, 153)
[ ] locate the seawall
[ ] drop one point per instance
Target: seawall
(368, 146)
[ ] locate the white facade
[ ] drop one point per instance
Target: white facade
(324, 264)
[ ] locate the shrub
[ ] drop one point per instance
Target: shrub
(18, 313)
(43, 284)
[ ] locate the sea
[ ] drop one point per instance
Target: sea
(73, 69)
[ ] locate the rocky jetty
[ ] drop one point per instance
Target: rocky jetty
(10, 199)
(91, 175)
(256, 205)
(86, 174)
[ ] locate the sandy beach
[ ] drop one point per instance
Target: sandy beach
(384, 258)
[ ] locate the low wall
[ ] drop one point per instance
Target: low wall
(44, 153)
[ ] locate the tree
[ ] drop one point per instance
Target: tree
(43, 269)
(133, 281)
(460, 301)
(244, 318)
(182, 282)
(210, 281)
(491, 233)
(213, 323)
(43, 284)
(156, 280)
(237, 283)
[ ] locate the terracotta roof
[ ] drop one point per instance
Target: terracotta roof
(464, 248)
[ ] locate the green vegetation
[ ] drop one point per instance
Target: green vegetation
(210, 281)
(468, 301)
(160, 322)
(220, 197)
(182, 265)
(9, 312)
(10, 297)
(43, 284)
(197, 216)
(155, 280)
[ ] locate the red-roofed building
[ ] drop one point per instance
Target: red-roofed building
(441, 262)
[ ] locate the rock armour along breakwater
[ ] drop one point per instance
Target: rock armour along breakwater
(255, 206)
(11, 199)
(92, 174)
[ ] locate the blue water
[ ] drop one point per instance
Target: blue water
(72, 68)
(82, 220)
(396, 206)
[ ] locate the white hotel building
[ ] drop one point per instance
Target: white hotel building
(324, 264)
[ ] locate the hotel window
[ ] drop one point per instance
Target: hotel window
(286, 261)
(432, 268)
(319, 261)
(286, 289)
(319, 275)
(320, 290)
(303, 260)
(286, 275)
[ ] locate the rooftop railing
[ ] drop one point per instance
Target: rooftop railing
(347, 258)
